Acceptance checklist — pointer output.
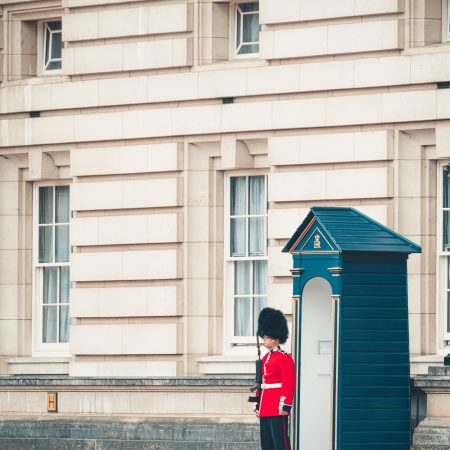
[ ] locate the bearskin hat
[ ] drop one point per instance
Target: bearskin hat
(272, 323)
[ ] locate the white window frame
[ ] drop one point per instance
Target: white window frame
(41, 41)
(233, 32)
(445, 21)
(443, 334)
(237, 344)
(40, 348)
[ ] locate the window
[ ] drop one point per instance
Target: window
(247, 28)
(444, 263)
(52, 45)
(38, 43)
(247, 278)
(52, 271)
(445, 21)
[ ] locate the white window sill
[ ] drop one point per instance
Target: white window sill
(440, 47)
(37, 79)
(233, 64)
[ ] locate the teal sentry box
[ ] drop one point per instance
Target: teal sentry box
(350, 333)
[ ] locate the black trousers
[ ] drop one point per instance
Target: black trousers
(274, 433)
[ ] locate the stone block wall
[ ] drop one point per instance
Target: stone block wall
(144, 434)
(136, 123)
(98, 413)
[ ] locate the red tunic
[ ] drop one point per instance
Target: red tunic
(277, 367)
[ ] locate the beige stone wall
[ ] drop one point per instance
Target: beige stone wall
(127, 230)
(339, 108)
(132, 402)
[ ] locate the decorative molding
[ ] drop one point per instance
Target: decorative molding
(335, 271)
(235, 153)
(296, 273)
(41, 166)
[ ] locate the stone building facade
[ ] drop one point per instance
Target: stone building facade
(155, 156)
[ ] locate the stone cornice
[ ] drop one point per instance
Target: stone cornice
(62, 383)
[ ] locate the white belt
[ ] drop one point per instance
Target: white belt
(271, 385)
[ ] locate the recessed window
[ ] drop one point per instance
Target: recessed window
(52, 33)
(52, 270)
(247, 28)
(444, 263)
(446, 209)
(37, 44)
(247, 260)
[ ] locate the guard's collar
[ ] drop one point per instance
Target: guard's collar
(275, 349)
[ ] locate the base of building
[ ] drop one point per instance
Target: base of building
(145, 434)
(432, 434)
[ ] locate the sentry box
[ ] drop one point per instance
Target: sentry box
(350, 333)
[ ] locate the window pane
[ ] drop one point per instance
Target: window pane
(448, 294)
(62, 243)
(242, 318)
(251, 28)
(248, 7)
(45, 244)
(257, 236)
(237, 237)
(448, 312)
(446, 186)
(248, 48)
(260, 278)
(54, 25)
(446, 230)
(64, 285)
(62, 204)
(238, 27)
(64, 324)
(50, 285)
(46, 204)
(53, 65)
(258, 304)
(49, 324)
(237, 188)
(53, 45)
(256, 203)
(242, 277)
(56, 45)
(47, 45)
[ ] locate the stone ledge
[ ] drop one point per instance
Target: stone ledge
(433, 383)
(439, 371)
(438, 377)
(119, 382)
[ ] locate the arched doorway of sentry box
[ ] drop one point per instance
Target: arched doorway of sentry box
(315, 372)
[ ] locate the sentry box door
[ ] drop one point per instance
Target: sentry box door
(315, 372)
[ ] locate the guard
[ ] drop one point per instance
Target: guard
(278, 382)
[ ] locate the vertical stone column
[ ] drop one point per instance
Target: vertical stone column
(203, 231)
(425, 22)
(15, 263)
(213, 32)
(415, 218)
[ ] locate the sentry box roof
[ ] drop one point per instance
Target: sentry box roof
(346, 229)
